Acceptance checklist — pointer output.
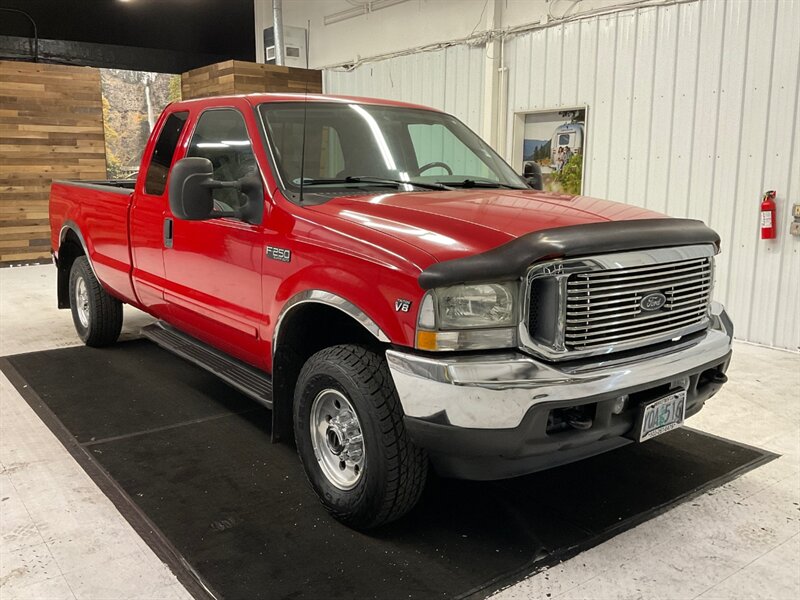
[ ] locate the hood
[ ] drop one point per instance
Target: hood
(459, 223)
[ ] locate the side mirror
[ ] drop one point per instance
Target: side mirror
(533, 176)
(535, 182)
(191, 193)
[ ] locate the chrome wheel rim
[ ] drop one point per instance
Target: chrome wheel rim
(82, 301)
(337, 439)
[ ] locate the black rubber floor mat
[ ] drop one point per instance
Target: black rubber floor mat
(189, 462)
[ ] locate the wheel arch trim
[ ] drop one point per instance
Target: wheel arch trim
(328, 299)
(73, 227)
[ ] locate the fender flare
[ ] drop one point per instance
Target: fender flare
(281, 417)
(73, 227)
(329, 299)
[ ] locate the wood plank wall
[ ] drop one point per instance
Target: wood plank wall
(51, 127)
(239, 77)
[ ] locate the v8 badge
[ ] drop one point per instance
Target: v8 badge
(402, 305)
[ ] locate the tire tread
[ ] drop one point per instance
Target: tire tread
(105, 315)
(406, 464)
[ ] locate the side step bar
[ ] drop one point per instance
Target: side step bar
(248, 380)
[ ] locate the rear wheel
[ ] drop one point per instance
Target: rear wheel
(96, 314)
(351, 439)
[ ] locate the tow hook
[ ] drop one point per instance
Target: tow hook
(577, 420)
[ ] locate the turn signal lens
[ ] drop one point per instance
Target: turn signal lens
(426, 340)
(480, 339)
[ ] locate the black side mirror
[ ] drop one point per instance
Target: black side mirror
(535, 182)
(533, 176)
(191, 193)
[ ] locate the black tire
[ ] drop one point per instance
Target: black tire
(100, 321)
(394, 470)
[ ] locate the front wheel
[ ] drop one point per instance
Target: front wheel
(96, 314)
(351, 438)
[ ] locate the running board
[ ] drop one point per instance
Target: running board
(248, 380)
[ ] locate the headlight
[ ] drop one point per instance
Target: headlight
(468, 317)
(483, 305)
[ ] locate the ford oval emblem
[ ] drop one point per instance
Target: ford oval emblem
(653, 301)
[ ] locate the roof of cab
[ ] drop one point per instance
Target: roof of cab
(256, 99)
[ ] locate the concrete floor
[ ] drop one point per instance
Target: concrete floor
(62, 538)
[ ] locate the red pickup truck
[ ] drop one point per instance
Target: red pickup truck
(382, 280)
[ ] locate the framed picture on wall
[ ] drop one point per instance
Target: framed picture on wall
(549, 148)
(132, 102)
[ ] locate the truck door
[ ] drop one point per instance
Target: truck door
(147, 214)
(213, 268)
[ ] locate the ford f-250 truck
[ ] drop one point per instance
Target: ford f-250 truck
(382, 280)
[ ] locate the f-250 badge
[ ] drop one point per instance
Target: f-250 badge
(402, 305)
(281, 254)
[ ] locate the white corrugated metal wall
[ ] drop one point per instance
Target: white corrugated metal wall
(693, 111)
(450, 79)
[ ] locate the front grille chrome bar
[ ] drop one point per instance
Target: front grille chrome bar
(587, 292)
(641, 320)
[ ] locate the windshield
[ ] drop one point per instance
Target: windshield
(357, 146)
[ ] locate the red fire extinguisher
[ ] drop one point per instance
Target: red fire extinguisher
(768, 216)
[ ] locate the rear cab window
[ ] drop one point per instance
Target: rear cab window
(155, 181)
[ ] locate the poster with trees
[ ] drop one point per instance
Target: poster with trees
(132, 102)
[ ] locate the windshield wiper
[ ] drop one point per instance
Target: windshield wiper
(376, 180)
(423, 185)
(473, 183)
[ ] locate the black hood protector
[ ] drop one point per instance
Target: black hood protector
(511, 260)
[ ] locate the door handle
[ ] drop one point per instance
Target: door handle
(168, 233)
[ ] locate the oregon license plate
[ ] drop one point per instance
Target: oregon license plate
(662, 415)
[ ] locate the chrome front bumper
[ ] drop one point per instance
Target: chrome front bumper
(496, 391)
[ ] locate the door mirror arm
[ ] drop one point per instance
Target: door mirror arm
(191, 188)
(250, 185)
(215, 184)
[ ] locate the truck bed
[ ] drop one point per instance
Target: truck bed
(99, 207)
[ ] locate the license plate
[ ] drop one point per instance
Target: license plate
(663, 415)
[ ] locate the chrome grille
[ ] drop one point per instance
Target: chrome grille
(604, 307)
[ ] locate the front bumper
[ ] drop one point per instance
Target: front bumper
(486, 416)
